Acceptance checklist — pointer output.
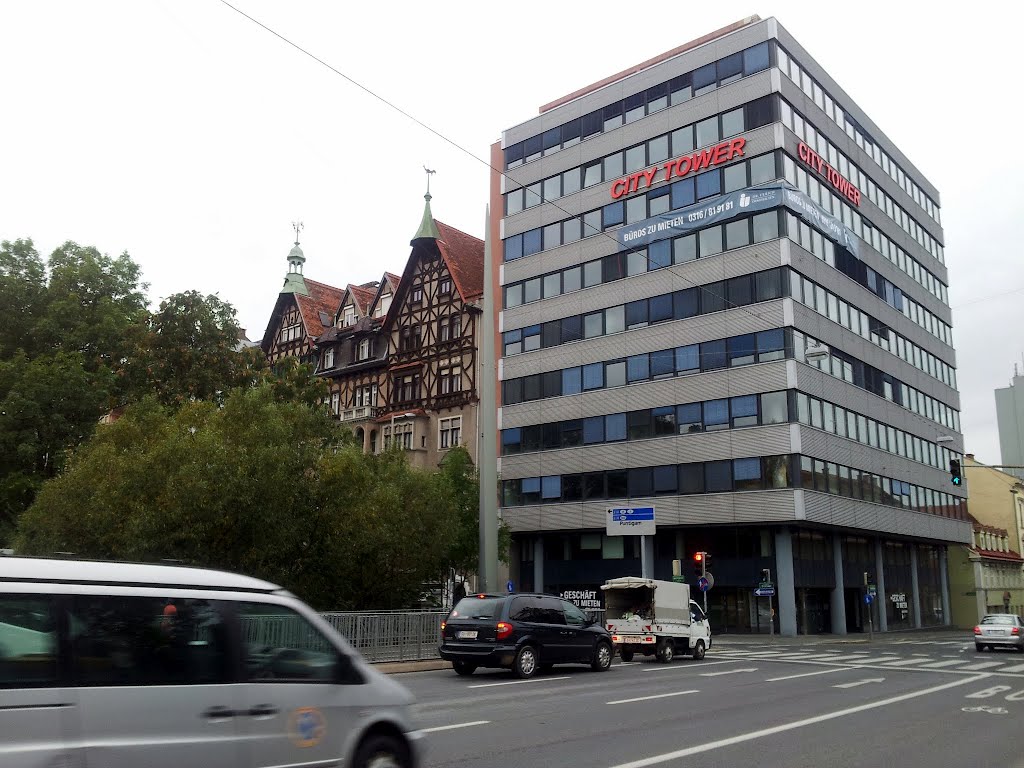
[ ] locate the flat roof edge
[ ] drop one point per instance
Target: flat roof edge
(651, 62)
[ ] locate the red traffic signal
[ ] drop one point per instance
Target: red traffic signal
(698, 557)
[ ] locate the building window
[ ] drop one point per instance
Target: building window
(365, 396)
(450, 328)
(335, 403)
(417, 294)
(446, 285)
(451, 380)
(349, 317)
(382, 306)
(291, 333)
(407, 388)
(328, 358)
(450, 432)
(363, 351)
(410, 339)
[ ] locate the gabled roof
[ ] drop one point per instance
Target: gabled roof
(361, 297)
(464, 256)
(322, 298)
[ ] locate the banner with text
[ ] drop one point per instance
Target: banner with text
(725, 207)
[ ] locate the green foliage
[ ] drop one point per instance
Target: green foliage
(265, 487)
(22, 290)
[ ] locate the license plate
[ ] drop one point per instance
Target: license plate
(630, 638)
(997, 631)
(466, 634)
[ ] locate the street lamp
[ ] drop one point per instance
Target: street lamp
(815, 353)
(399, 416)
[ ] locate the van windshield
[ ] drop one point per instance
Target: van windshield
(477, 608)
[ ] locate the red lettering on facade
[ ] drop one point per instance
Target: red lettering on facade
(720, 153)
(844, 186)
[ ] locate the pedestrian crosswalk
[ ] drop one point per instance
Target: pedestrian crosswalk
(971, 663)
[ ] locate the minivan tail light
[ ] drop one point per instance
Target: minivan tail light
(443, 625)
(504, 629)
(977, 630)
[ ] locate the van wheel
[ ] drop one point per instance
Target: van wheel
(382, 751)
(626, 655)
(525, 664)
(698, 650)
(463, 668)
(979, 647)
(666, 652)
(602, 657)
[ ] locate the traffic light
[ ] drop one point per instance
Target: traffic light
(707, 563)
(954, 472)
(766, 575)
(698, 564)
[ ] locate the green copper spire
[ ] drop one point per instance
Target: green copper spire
(293, 281)
(428, 229)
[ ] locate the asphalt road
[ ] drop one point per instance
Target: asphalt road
(893, 702)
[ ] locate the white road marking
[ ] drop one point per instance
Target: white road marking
(450, 727)
(856, 683)
(982, 665)
(700, 748)
(645, 698)
(670, 668)
(850, 657)
(940, 664)
(728, 672)
(519, 682)
(1016, 668)
(806, 674)
(878, 660)
(908, 662)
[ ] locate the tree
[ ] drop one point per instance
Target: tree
(272, 488)
(22, 290)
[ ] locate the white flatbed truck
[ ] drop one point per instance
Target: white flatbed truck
(655, 618)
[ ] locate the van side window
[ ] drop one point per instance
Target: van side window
(146, 641)
(550, 612)
(280, 645)
(28, 641)
(574, 617)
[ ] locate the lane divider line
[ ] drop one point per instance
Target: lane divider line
(646, 698)
(519, 682)
(437, 728)
(806, 674)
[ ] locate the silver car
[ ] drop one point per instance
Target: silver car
(118, 665)
(999, 630)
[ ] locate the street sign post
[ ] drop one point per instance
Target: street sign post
(633, 521)
(768, 591)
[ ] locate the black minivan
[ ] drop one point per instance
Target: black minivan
(522, 632)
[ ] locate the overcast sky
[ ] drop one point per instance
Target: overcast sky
(191, 138)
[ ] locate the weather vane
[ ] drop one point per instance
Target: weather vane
(429, 174)
(297, 226)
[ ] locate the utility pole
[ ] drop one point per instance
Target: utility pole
(487, 459)
(869, 602)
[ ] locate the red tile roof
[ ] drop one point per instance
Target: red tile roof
(363, 296)
(1012, 557)
(322, 298)
(464, 255)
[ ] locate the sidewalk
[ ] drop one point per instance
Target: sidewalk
(725, 642)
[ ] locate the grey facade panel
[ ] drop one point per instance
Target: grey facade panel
(876, 518)
(810, 322)
(849, 105)
(717, 325)
(658, 73)
(764, 377)
(722, 266)
(679, 449)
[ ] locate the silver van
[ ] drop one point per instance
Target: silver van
(118, 665)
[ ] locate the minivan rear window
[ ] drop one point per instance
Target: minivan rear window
(477, 608)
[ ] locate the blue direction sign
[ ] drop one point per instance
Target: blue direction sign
(630, 521)
(869, 598)
(703, 584)
(510, 586)
(765, 592)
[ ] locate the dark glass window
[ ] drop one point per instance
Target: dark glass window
(766, 226)
(717, 476)
(593, 376)
(640, 425)
(662, 363)
(641, 482)
(592, 124)
(593, 485)
(768, 285)
(659, 254)
(685, 303)
(755, 58)
(716, 415)
(593, 430)
(747, 474)
(740, 289)
(613, 214)
(730, 68)
(617, 484)
(660, 308)
(511, 441)
(713, 355)
(638, 368)
(513, 247)
(572, 488)
(664, 420)
(742, 349)
(572, 433)
(705, 78)
(572, 329)
(710, 241)
(551, 138)
(571, 131)
(571, 381)
(666, 479)
(532, 242)
(759, 112)
(636, 314)
(689, 418)
(614, 427)
(709, 184)
(691, 478)
(771, 345)
(737, 233)
(683, 193)
(712, 297)
(744, 410)
(532, 147)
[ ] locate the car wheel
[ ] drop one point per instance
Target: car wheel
(464, 668)
(525, 664)
(698, 650)
(979, 647)
(382, 751)
(602, 657)
(626, 655)
(666, 653)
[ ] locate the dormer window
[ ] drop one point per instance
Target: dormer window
(328, 358)
(446, 285)
(383, 305)
(349, 316)
(363, 351)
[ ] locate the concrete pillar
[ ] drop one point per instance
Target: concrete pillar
(915, 592)
(837, 601)
(944, 586)
(786, 587)
(647, 557)
(538, 563)
(882, 600)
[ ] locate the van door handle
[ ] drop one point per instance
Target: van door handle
(262, 710)
(219, 713)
